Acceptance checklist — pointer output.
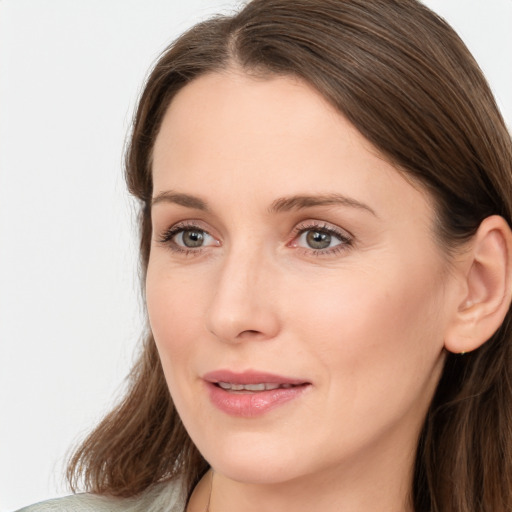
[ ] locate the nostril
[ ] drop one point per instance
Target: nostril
(241, 320)
(249, 333)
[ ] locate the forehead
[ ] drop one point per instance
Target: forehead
(265, 112)
(232, 136)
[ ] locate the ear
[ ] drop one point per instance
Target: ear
(487, 287)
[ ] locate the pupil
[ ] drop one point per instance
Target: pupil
(318, 240)
(192, 238)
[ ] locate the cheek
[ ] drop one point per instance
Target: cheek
(373, 333)
(174, 314)
(174, 310)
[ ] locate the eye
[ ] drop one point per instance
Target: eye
(187, 238)
(192, 238)
(320, 239)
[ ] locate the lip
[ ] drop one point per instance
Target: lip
(250, 377)
(249, 404)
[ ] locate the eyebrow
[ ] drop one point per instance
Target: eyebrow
(283, 204)
(305, 201)
(182, 199)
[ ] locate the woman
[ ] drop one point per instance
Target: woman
(325, 205)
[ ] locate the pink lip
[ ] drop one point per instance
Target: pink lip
(249, 404)
(249, 377)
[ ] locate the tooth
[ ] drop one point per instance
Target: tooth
(228, 386)
(255, 387)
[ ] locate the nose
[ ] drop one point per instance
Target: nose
(244, 306)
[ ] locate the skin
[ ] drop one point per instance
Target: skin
(363, 320)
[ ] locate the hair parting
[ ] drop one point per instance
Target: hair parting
(406, 81)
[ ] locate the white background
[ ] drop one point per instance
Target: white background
(70, 313)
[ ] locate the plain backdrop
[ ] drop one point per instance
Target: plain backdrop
(70, 313)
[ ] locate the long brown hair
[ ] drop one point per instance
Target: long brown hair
(406, 81)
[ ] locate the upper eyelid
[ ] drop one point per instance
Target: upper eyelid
(299, 227)
(322, 225)
(178, 227)
(183, 225)
(302, 225)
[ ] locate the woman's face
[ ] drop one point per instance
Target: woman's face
(295, 290)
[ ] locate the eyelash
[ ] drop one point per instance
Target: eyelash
(166, 238)
(346, 241)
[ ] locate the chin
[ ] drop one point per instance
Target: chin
(257, 472)
(254, 459)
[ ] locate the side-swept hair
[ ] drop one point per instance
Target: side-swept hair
(406, 81)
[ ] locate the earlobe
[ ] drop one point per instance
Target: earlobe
(488, 287)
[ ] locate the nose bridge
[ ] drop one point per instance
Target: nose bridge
(241, 305)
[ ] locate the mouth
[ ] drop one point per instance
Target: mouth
(250, 394)
(253, 388)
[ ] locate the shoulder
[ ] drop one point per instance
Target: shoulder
(75, 503)
(164, 497)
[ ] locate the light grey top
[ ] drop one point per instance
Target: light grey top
(164, 497)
